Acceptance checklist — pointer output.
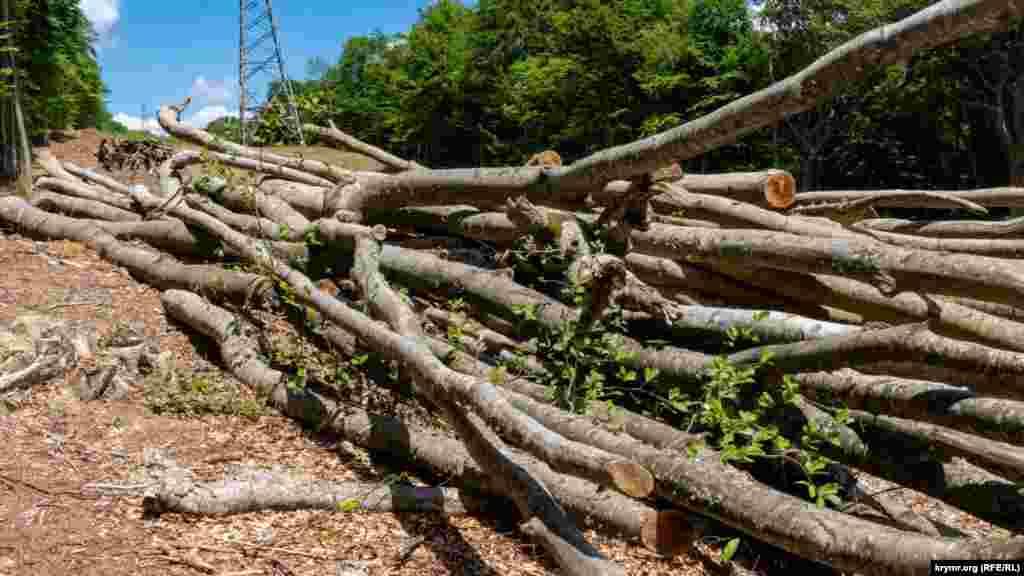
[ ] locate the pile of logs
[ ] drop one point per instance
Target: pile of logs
(120, 154)
(917, 327)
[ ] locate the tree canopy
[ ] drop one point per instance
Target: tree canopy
(495, 82)
(56, 59)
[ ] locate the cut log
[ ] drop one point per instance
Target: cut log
(147, 264)
(947, 228)
(952, 406)
(251, 490)
(953, 317)
(989, 197)
(775, 188)
(1001, 458)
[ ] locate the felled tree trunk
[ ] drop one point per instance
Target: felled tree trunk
(252, 490)
(956, 407)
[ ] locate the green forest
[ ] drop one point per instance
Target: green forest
(58, 74)
(494, 82)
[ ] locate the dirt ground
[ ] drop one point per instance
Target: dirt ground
(56, 446)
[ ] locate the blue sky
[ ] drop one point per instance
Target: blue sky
(154, 53)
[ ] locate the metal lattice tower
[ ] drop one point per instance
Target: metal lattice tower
(259, 51)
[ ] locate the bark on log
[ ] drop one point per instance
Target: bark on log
(72, 206)
(386, 158)
(990, 383)
(730, 496)
(168, 118)
(766, 326)
(995, 247)
(54, 168)
(949, 316)
(267, 206)
(386, 303)
(935, 402)
(251, 490)
(464, 221)
(912, 342)
(988, 197)
(97, 178)
(154, 268)
(865, 203)
(894, 269)
(664, 272)
(1004, 459)
(85, 191)
(1007, 311)
(662, 219)
(269, 169)
(488, 339)
(1013, 227)
(775, 188)
(254, 226)
(739, 213)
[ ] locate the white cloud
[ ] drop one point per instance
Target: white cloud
(212, 93)
(208, 114)
(104, 15)
(135, 123)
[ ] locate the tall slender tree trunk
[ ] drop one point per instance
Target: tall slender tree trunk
(25, 156)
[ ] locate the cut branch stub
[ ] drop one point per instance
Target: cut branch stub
(633, 207)
(602, 275)
(668, 532)
(531, 218)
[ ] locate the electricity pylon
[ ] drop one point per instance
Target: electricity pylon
(258, 51)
